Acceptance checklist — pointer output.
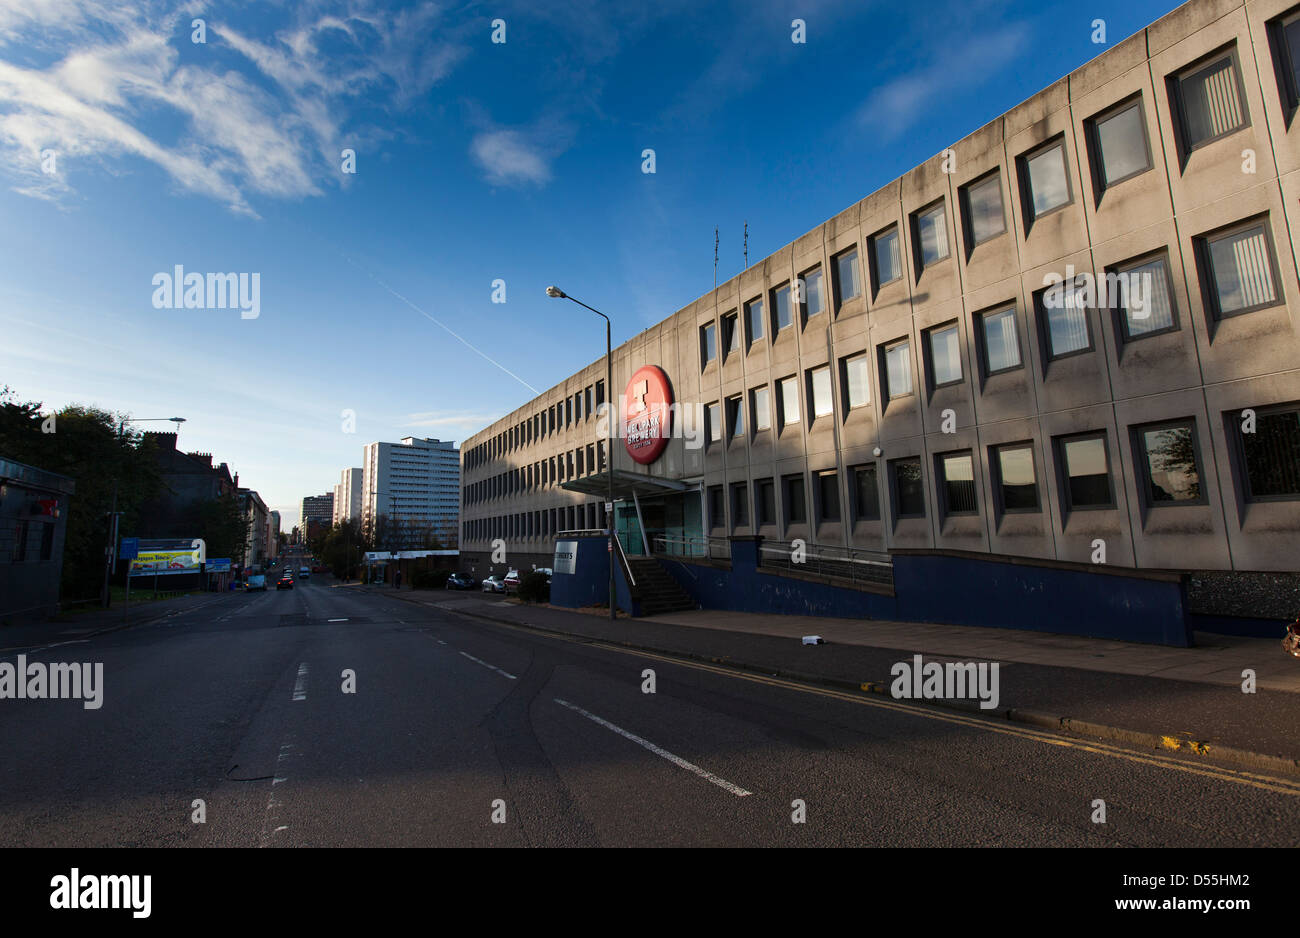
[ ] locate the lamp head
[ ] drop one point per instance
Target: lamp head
(555, 291)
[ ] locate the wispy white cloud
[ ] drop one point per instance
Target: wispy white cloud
(511, 157)
(119, 87)
(895, 106)
(457, 420)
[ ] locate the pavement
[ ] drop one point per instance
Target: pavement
(1185, 699)
(77, 625)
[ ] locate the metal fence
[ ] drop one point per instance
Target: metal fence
(841, 563)
(712, 548)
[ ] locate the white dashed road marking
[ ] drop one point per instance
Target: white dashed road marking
(663, 753)
(490, 667)
(300, 686)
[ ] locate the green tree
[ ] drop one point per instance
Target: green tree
(341, 548)
(103, 457)
(223, 527)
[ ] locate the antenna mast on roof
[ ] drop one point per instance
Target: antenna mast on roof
(747, 245)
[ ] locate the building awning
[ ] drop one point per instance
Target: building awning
(626, 484)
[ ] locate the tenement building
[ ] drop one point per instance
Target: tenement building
(1069, 332)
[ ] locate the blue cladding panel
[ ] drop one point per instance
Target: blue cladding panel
(928, 588)
(589, 586)
(957, 591)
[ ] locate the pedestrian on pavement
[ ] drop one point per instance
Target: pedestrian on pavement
(397, 579)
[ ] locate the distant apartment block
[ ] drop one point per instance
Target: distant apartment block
(318, 508)
(416, 482)
(347, 495)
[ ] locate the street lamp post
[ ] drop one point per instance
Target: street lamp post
(556, 292)
(110, 558)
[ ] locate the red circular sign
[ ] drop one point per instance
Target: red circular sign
(647, 414)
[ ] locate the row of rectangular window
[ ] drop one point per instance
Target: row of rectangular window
(577, 407)
(1167, 454)
(537, 475)
(1209, 100)
(1238, 268)
(540, 522)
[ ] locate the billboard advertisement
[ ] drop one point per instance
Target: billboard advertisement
(167, 556)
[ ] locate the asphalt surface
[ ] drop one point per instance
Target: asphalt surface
(239, 701)
(1262, 722)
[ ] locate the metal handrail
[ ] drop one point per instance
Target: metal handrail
(847, 563)
(627, 567)
(696, 546)
(602, 532)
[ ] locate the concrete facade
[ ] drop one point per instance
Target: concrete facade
(1122, 388)
(347, 494)
(414, 480)
(318, 509)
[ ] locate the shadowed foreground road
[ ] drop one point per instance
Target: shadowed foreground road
(241, 703)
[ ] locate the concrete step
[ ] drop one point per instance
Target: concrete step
(657, 591)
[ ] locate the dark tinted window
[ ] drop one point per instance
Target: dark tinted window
(909, 490)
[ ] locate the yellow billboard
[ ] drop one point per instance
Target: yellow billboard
(164, 562)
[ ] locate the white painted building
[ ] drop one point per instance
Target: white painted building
(347, 495)
(416, 481)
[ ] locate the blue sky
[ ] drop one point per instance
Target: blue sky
(475, 161)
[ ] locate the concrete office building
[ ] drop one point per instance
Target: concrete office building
(937, 369)
(318, 509)
(417, 482)
(347, 495)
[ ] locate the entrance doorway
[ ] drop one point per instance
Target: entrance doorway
(676, 515)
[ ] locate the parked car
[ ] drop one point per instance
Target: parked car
(547, 571)
(512, 580)
(494, 584)
(256, 581)
(284, 583)
(461, 581)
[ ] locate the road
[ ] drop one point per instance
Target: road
(461, 732)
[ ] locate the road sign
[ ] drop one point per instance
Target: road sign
(219, 565)
(128, 548)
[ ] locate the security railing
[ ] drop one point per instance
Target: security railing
(711, 548)
(842, 563)
(627, 567)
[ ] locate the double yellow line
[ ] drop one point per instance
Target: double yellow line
(1254, 780)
